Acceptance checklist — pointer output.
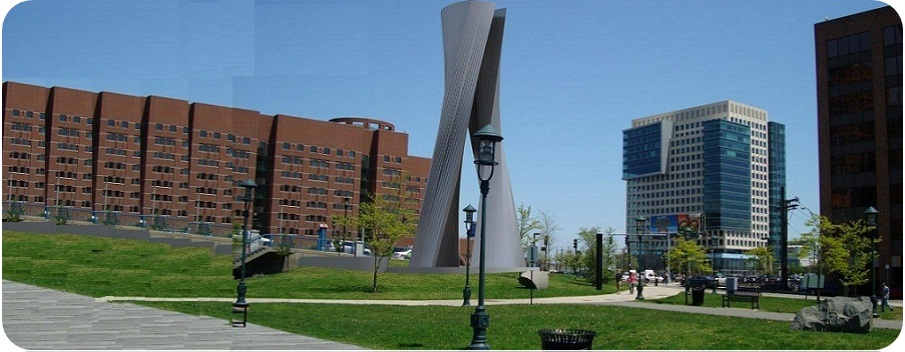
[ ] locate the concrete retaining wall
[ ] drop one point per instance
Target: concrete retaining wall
(349, 263)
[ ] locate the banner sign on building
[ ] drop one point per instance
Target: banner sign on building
(675, 223)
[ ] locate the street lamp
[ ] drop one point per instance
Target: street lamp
(487, 138)
(249, 186)
(345, 221)
(639, 229)
(469, 234)
(870, 216)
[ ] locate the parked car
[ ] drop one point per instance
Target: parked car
(705, 281)
(348, 247)
(406, 254)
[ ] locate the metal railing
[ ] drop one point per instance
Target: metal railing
(19, 211)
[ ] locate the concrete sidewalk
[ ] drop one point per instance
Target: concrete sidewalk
(36, 318)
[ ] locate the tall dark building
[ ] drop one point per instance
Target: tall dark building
(859, 109)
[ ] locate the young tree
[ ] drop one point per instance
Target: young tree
(762, 259)
(846, 249)
(589, 253)
(347, 222)
(548, 229)
(688, 257)
(386, 219)
(526, 223)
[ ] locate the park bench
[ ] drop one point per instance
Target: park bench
(752, 297)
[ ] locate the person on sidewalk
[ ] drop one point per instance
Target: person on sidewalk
(632, 279)
(885, 299)
(618, 282)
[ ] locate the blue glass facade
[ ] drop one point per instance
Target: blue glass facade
(642, 151)
(776, 148)
(727, 175)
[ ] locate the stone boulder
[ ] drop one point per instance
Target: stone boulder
(836, 314)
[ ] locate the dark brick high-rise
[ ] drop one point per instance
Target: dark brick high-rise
(138, 156)
(859, 107)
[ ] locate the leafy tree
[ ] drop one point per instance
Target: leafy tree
(346, 221)
(548, 229)
(526, 223)
(386, 219)
(569, 259)
(762, 259)
(689, 257)
(589, 253)
(845, 249)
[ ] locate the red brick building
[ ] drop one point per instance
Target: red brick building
(152, 159)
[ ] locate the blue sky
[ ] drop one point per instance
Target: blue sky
(574, 73)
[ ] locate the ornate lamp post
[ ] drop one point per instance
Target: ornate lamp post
(487, 138)
(469, 234)
(639, 229)
(249, 186)
(870, 216)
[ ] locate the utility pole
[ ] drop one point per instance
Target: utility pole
(785, 205)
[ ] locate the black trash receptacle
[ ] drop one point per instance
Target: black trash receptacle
(697, 296)
(566, 339)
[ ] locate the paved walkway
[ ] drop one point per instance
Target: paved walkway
(38, 318)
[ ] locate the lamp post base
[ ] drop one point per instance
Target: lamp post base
(640, 296)
(480, 320)
(466, 296)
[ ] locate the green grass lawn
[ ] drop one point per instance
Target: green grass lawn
(97, 266)
(515, 327)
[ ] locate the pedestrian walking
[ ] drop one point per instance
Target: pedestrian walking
(632, 278)
(885, 299)
(618, 282)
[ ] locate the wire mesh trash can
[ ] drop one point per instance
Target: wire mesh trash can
(566, 339)
(697, 296)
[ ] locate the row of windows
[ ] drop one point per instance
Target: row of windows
(208, 162)
(27, 114)
(162, 183)
(892, 35)
(387, 159)
(24, 127)
(167, 141)
(317, 177)
(848, 45)
(208, 148)
(322, 150)
(74, 147)
(20, 141)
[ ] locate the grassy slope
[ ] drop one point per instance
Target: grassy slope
(100, 266)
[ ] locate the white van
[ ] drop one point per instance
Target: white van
(651, 276)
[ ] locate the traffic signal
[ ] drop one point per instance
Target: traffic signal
(575, 244)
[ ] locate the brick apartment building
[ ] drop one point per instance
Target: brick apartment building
(144, 159)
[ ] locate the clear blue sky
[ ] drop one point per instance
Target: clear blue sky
(574, 73)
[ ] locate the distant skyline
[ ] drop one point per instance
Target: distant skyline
(573, 74)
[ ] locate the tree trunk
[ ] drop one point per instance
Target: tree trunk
(376, 267)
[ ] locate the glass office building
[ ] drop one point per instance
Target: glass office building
(711, 165)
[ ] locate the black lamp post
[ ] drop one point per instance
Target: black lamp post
(487, 138)
(249, 186)
(870, 216)
(639, 229)
(345, 221)
(469, 234)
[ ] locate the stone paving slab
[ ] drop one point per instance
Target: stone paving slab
(35, 318)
